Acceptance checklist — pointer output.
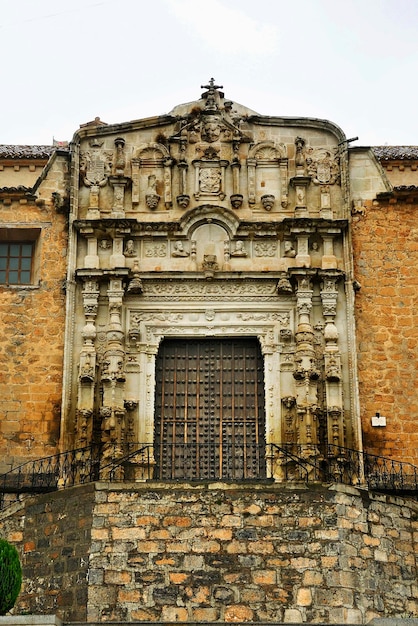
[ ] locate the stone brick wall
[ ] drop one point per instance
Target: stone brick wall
(32, 334)
(385, 242)
(53, 535)
(217, 553)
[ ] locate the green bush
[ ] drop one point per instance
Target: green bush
(10, 576)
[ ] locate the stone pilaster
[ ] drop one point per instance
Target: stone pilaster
(332, 359)
(87, 365)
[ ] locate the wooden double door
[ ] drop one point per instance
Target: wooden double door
(209, 410)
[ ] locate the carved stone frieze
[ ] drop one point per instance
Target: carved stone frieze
(265, 248)
(152, 249)
(215, 289)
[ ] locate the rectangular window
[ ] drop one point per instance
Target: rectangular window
(18, 256)
(16, 263)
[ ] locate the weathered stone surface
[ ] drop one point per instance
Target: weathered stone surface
(314, 578)
(387, 323)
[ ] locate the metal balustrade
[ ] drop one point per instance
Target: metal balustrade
(230, 461)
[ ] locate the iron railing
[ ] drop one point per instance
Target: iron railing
(237, 461)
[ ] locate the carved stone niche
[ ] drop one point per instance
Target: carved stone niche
(267, 169)
(152, 177)
(210, 246)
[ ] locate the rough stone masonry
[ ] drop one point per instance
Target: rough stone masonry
(216, 552)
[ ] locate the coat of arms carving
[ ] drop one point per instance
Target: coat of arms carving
(323, 166)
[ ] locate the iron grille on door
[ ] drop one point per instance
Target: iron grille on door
(209, 410)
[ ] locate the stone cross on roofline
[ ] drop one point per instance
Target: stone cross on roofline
(210, 95)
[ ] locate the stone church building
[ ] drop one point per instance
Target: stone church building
(208, 331)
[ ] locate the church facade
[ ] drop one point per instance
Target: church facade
(210, 287)
(191, 242)
(213, 295)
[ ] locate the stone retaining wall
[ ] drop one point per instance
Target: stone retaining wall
(207, 553)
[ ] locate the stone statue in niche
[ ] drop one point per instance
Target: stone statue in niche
(289, 250)
(299, 156)
(120, 159)
(151, 197)
(178, 250)
(239, 250)
(315, 254)
(129, 248)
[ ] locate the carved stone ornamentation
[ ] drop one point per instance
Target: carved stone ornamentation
(135, 284)
(265, 248)
(183, 201)
(268, 201)
(95, 168)
(179, 250)
(323, 166)
(236, 200)
(210, 264)
(284, 286)
(267, 161)
(120, 158)
(300, 156)
(239, 249)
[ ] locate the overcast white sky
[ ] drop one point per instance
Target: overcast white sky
(64, 62)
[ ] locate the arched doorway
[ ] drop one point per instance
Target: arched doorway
(209, 409)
